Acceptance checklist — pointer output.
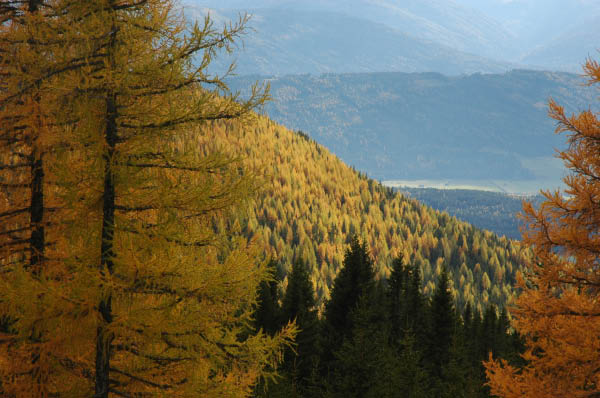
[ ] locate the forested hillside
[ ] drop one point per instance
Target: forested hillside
(494, 211)
(313, 203)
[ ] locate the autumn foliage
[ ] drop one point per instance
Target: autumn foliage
(559, 309)
(122, 286)
(312, 203)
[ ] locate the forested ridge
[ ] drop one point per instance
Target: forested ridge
(312, 204)
(494, 211)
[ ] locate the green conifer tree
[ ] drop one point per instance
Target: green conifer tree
(365, 364)
(355, 279)
(442, 326)
(459, 378)
(413, 377)
(268, 312)
(299, 306)
(397, 298)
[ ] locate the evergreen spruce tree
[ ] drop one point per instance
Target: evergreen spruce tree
(442, 327)
(503, 342)
(416, 309)
(299, 306)
(397, 284)
(405, 302)
(413, 378)
(366, 366)
(467, 320)
(267, 316)
(355, 279)
(489, 333)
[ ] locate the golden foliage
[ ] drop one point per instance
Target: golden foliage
(559, 311)
(312, 203)
(145, 297)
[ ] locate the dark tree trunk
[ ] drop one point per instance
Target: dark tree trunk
(107, 255)
(103, 345)
(104, 340)
(37, 239)
(33, 5)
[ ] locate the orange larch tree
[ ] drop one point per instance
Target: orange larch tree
(558, 311)
(27, 206)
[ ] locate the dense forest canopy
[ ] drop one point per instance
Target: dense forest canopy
(312, 204)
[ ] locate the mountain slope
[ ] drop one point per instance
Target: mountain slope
(411, 35)
(284, 41)
(312, 203)
(429, 126)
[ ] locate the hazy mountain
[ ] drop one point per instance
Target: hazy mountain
(429, 126)
(569, 50)
(285, 41)
(447, 36)
(443, 21)
(557, 34)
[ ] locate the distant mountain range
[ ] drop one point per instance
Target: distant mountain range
(285, 41)
(569, 50)
(446, 36)
(430, 126)
(539, 23)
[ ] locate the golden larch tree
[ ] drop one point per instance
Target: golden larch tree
(149, 298)
(558, 311)
(28, 205)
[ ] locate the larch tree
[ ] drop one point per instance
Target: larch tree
(558, 311)
(149, 299)
(28, 206)
(23, 123)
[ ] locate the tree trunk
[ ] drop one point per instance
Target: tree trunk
(37, 239)
(104, 338)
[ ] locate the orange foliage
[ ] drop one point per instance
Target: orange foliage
(559, 309)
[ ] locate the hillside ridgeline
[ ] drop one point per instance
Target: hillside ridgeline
(312, 204)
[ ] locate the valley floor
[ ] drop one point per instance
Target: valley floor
(519, 187)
